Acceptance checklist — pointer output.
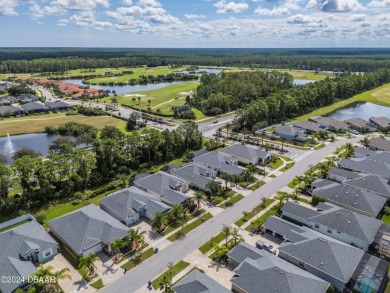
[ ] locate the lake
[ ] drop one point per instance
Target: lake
(202, 70)
(363, 110)
(38, 141)
(303, 81)
(122, 89)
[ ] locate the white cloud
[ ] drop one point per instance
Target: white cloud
(80, 4)
(230, 7)
(194, 16)
(7, 7)
(127, 2)
(335, 5)
(300, 19)
(149, 3)
(379, 4)
(272, 12)
(63, 22)
(358, 17)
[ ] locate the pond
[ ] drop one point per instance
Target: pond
(122, 89)
(202, 70)
(37, 141)
(363, 110)
(303, 81)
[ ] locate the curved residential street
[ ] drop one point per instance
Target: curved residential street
(157, 264)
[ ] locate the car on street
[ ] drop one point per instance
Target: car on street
(215, 121)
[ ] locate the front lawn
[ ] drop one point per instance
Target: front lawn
(190, 227)
(257, 185)
(276, 164)
(252, 213)
(287, 166)
(386, 219)
(98, 284)
(232, 201)
(265, 216)
(133, 262)
(212, 242)
(177, 268)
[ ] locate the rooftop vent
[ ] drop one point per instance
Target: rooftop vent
(322, 263)
(349, 222)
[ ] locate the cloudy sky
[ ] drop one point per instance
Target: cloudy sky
(195, 23)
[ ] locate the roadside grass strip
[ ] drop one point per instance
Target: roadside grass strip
(177, 268)
(186, 229)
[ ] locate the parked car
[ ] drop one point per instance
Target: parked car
(215, 121)
(266, 246)
(247, 136)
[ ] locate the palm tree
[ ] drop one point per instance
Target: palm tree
(165, 283)
(159, 221)
(227, 231)
(88, 262)
(280, 197)
(45, 273)
(199, 196)
(250, 171)
(349, 148)
(149, 101)
(297, 192)
(136, 236)
(245, 214)
(226, 177)
(227, 129)
(139, 100)
(236, 236)
(134, 99)
(118, 244)
(283, 140)
(220, 251)
(176, 213)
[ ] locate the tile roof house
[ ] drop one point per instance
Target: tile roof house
(197, 282)
(168, 188)
(361, 124)
(349, 227)
(11, 110)
(87, 230)
(379, 144)
(352, 198)
(327, 258)
(130, 204)
(246, 154)
(198, 176)
(33, 107)
(218, 162)
(269, 274)
(23, 247)
(58, 106)
(383, 122)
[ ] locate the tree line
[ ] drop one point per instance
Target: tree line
(290, 103)
(229, 91)
(67, 171)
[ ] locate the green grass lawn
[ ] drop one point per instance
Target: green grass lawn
(265, 216)
(186, 229)
(132, 263)
(98, 284)
(254, 212)
(378, 96)
(84, 273)
(275, 165)
(212, 242)
(293, 183)
(287, 166)
(233, 200)
(304, 200)
(272, 176)
(386, 219)
(257, 185)
(177, 268)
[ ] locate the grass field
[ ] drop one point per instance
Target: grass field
(163, 98)
(380, 96)
(305, 74)
(34, 124)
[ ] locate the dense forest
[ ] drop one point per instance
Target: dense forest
(59, 60)
(68, 171)
(290, 103)
(231, 90)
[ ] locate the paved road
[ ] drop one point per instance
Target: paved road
(148, 270)
(208, 128)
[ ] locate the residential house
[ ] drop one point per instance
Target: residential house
(87, 230)
(371, 183)
(198, 176)
(22, 248)
(198, 282)
(241, 252)
(27, 98)
(266, 273)
(58, 106)
(8, 100)
(168, 188)
(34, 108)
(218, 162)
(309, 127)
(130, 204)
(379, 144)
(361, 125)
(246, 154)
(352, 198)
(6, 111)
(369, 165)
(291, 133)
(330, 123)
(363, 152)
(340, 264)
(382, 122)
(349, 227)
(340, 175)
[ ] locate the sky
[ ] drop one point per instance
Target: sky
(195, 23)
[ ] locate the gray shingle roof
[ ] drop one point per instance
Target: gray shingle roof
(354, 224)
(194, 174)
(353, 198)
(369, 166)
(128, 201)
(197, 282)
(362, 152)
(380, 143)
(359, 123)
(244, 152)
(284, 228)
(330, 122)
(243, 250)
(58, 105)
(14, 243)
(319, 183)
(218, 162)
(291, 131)
(309, 125)
(344, 173)
(11, 109)
(371, 183)
(33, 106)
(381, 121)
(87, 227)
(163, 184)
(271, 274)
